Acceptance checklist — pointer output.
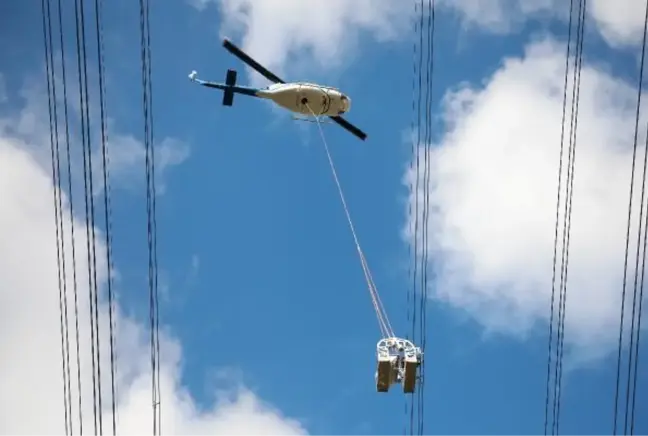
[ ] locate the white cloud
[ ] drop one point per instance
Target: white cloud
(493, 179)
(500, 15)
(126, 157)
(30, 341)
(620, 22)
(276, 30)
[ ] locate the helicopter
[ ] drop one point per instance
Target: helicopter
(299, 97)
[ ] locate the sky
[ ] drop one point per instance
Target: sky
(266, 323)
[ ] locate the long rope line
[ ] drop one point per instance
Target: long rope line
(383, 321)
(377, 302)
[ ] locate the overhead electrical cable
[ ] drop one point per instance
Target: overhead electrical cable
(628, 427)
(418, 175)
(410, 214)
(412, 209)
(107, 210)
(419, 18)
(89, 211)
(555, 252)
(61, 219)
(151, 213)
(426, 207)
(71, 210)
(59, 230)
(639, 313)
(629, 223)
(568, 208)
(86, 147)
(633, 349)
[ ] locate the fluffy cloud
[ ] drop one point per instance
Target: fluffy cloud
(275, 30)
(31, 399)
(127, 156)
(30, 124)
(493, 180)
(620, 22)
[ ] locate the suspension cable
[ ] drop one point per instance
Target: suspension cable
(408, 401)
(555, 252)
(633, 352)
(54, 145)
(381, 314)
(151, 214)
(107, 214)
(416, 168)
(431, 22)
(568, 207)
(627, 241)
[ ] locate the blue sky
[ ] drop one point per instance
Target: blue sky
(262, 285)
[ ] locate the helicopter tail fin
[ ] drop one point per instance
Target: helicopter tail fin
(228, 94)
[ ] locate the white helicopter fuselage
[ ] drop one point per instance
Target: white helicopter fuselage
(307, 98)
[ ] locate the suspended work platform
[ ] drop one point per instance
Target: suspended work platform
(398, 362)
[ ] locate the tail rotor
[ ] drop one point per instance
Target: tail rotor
(230, 82)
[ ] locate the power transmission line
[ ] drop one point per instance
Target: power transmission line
(625, 270)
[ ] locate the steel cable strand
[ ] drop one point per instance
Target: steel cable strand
(60, 207)
(625, 263)
(373, 292)
(71, 211)
(107, 213)
(50, 84)
(555, 253)
(573, 133)
(634, 294)
(80, 40)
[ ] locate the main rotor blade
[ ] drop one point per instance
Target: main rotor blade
(251, 62)
(350, 127)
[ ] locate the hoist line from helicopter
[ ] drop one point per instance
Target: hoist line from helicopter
(398, 359)
(381, 313)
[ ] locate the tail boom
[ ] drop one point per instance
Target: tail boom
(229, 88)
